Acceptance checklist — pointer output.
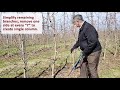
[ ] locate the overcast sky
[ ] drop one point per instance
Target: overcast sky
(102, 18)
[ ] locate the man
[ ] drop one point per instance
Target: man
(90, 46)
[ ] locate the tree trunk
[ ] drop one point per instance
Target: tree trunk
(47, 27)
(64, 32)
(91, 13)
(7, 41)
(43, 30)
(55, 44)
(23, 49)
(115, 33)
(105, 36)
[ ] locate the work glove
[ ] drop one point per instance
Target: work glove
(84, 55)
(72, 50)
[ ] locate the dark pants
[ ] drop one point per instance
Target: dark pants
(89, 66)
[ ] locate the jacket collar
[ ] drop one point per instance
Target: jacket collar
(83, 26)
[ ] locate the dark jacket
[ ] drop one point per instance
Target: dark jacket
(88, 39)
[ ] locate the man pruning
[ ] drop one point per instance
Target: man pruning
(90, 46)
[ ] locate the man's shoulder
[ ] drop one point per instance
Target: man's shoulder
(88, 24)
(89, 27)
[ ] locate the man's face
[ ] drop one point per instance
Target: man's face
(77, 23)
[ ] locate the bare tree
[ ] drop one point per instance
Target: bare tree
(23, 49)
(7, 42)
(47, 26)
(43, 29)
(115, 35)
(52, 20)
(105, 37)
(98, 20)
(75, 39)
(91, 15)
(64, 31)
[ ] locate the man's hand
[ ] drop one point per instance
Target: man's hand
(72, 50)
(84, 55)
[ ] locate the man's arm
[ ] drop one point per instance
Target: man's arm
(92, 37)
(76, 45)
